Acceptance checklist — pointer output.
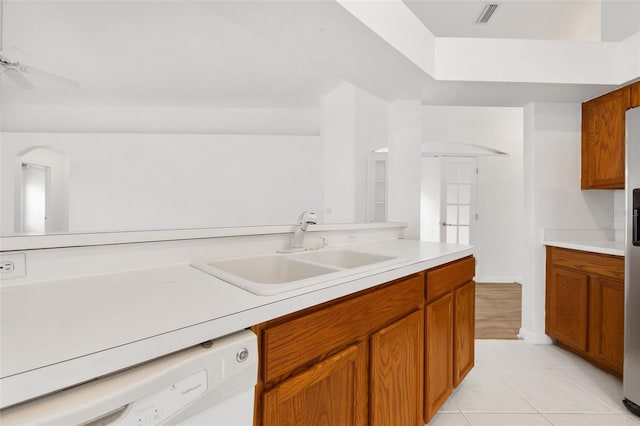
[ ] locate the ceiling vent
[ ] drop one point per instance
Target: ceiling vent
(486, 13)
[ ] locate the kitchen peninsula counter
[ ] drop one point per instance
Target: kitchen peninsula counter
(59, 333)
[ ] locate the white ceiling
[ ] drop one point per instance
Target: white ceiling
(235, 53)
(152, 53)
(578, 20)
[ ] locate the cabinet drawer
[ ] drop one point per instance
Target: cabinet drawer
(296, 340)
(593, 263)
(445, 278)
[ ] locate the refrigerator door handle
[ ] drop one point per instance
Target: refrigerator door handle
(635, 217)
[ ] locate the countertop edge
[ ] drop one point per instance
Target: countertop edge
(602, 247)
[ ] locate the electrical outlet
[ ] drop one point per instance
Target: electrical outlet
(12, 265)
(7, 267)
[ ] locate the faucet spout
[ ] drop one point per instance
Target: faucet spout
(305, 219)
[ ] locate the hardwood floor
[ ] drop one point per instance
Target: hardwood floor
(498, 310)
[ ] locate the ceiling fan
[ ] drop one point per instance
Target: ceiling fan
(17, 71)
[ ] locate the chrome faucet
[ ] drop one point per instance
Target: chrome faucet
(304, 220)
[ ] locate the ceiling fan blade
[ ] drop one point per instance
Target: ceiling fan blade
(49, 76)
(20, 80)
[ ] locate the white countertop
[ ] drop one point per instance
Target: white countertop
(615, 248)
(59, 333)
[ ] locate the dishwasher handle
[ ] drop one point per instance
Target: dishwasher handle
(109, 418)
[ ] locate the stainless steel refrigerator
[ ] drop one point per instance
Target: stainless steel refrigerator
(631, 381)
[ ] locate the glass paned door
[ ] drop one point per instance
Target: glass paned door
(458, 211)
(377, 188)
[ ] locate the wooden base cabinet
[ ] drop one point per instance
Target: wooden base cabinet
(606, 322)
(567, 306)
(585, 305)
(438, 354)
(328, 393)
(354, 361)
(396, 367)
(464, 331)
(449, 330)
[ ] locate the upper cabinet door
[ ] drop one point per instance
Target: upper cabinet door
(634, 97)
(603, 140)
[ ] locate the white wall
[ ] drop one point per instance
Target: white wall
(339, 139)
(160, 119)
(354, 124)
(499, 191)
(553, 199)
(430, 199)
(404, 175)
(268, 159)
(372, 132)
(163, 181)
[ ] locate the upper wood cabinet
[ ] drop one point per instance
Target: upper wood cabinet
(585, 304)
(603, 138)
(634, 97)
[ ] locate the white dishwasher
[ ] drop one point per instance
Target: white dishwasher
(209, 384)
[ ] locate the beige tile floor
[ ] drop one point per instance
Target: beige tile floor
(515, 383)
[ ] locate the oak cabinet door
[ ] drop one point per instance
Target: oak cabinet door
(396, 373)
(333, 392)
(634, 97)
(438, 353)
(606, 327)
(567, 307)
(603, 140)
(464, 331)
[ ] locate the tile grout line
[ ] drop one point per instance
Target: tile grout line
(584, 389)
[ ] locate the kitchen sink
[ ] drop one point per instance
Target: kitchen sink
(343, 258)
(271, 274)
(270, 269)
(266, 274)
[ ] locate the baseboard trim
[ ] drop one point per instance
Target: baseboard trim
(537, 338)
(497, 279)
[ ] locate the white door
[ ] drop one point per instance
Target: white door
(34, 198)
(458, 200)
